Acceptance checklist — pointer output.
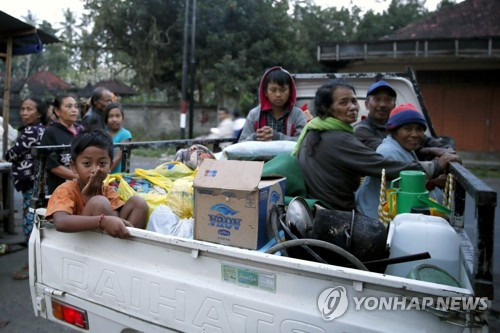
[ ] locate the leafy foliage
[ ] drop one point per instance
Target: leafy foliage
(141, 42)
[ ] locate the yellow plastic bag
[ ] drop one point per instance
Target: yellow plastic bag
(155, 178)
(125, 192)
(180, 198)
(174, 170)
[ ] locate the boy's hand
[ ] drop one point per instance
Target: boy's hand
(264, 134)
(116, 227)
(94, 185)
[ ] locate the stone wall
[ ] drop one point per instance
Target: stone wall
(162, 121)
(151, 121)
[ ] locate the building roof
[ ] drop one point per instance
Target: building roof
(468, 19)
(44, 82)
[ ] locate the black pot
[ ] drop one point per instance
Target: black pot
(366, 240)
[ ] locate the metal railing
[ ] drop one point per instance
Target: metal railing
(485, 201)
(41, 154)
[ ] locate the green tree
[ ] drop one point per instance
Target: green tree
(445, 4)
(399, 14)
(54, 57)
(315, 26)
(143, 35)
(236, 41)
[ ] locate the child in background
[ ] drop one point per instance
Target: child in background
(276, 118)
(85, 203)
(113, 118)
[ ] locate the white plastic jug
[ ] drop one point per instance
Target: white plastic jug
(416, 233)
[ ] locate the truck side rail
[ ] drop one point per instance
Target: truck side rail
(485, 200)
(42, 152)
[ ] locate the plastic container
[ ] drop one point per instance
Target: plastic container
(417, 233)
(431, 273)
(412, 193)
(411, 187)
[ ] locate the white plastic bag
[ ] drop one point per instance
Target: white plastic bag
(258, 150)
(164, 221)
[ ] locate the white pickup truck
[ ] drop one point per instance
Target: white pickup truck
(156, 283)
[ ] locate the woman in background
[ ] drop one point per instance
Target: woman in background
(61, 132)
(34, 118)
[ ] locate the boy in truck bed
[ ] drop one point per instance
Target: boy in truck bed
(85, 203)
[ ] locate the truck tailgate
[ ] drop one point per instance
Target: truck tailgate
(195, 286)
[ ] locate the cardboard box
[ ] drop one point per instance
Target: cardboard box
(232, 203)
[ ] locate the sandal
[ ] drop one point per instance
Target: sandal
(23, 274)
(4, 248)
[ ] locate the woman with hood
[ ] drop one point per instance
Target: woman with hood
(276, 118)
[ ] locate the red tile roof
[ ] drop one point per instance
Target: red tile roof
(468, 19)
(43, 81)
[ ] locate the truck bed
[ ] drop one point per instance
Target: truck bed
(154, 282)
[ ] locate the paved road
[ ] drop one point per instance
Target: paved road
(15, 301)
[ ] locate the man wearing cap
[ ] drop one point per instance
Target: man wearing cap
(406, 126)
(380, 100)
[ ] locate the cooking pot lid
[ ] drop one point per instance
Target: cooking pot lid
(299, 215)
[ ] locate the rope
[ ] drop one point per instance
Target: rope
(448, 190)
(383, 215)
(450, 180)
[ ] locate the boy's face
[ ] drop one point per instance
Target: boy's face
(93, 161)
(277, 95)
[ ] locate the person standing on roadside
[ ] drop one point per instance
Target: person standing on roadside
(61, 132)
(34, 117)
(94, 118)
(113, 117)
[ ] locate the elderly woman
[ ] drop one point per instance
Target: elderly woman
(34, 117)
(333, 160)
(406, 126)
(61, 132)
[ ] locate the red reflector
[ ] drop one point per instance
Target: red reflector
(80, 320)
(70, 314)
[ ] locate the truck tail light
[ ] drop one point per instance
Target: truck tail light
(70, 314)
